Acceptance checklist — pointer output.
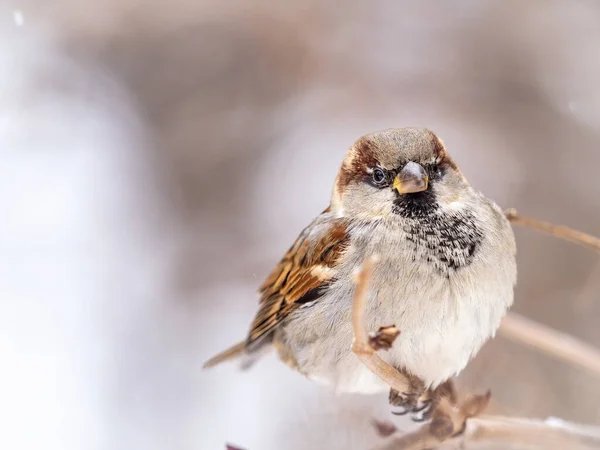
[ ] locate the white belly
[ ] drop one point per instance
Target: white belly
(443, 323)
(444, 317)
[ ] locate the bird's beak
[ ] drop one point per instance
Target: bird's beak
(412, 178)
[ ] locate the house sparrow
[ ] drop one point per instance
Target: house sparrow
(445, 273)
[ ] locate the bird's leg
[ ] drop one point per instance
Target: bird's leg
(447, 416)
(414, 400)
(445, 390)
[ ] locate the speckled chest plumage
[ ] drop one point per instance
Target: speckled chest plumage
(445, 281)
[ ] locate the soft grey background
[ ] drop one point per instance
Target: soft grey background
(158, 157)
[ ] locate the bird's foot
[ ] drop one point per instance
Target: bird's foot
(404, 403)
(421, 403)
(446, 414)
(415, 401)
(445, 411)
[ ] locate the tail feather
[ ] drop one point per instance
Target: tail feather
(232, 352)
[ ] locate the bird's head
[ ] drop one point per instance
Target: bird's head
(396, 174)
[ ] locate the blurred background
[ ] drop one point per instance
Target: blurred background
(158, 157)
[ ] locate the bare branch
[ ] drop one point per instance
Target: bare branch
(503, 432)
(518, 433)
(558, 345)
(361, 346)
(558, 231)
(361, 338)
(554, 343)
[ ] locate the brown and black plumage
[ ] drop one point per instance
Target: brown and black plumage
(445, 274)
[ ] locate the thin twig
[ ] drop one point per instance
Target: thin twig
(503, 432)
(361, 338)
(509, 432)
(361, 346)
(558, 231)
(553, 343)
(420, 439)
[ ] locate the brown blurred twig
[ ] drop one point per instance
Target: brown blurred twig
(552, 342)
(558, 231)
(506, 433)
(361, 346)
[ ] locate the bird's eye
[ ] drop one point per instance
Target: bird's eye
(437, 171)
(378, 175)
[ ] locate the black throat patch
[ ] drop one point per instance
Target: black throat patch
(414, 206)
(448, 241)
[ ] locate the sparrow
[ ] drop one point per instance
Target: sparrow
(445, 274)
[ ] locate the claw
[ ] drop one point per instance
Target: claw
(424, 408)
(402, 412)
(426, 404)
(426, 412)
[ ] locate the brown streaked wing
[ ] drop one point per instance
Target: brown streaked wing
(302, 275)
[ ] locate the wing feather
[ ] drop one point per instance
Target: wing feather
(302, 275)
